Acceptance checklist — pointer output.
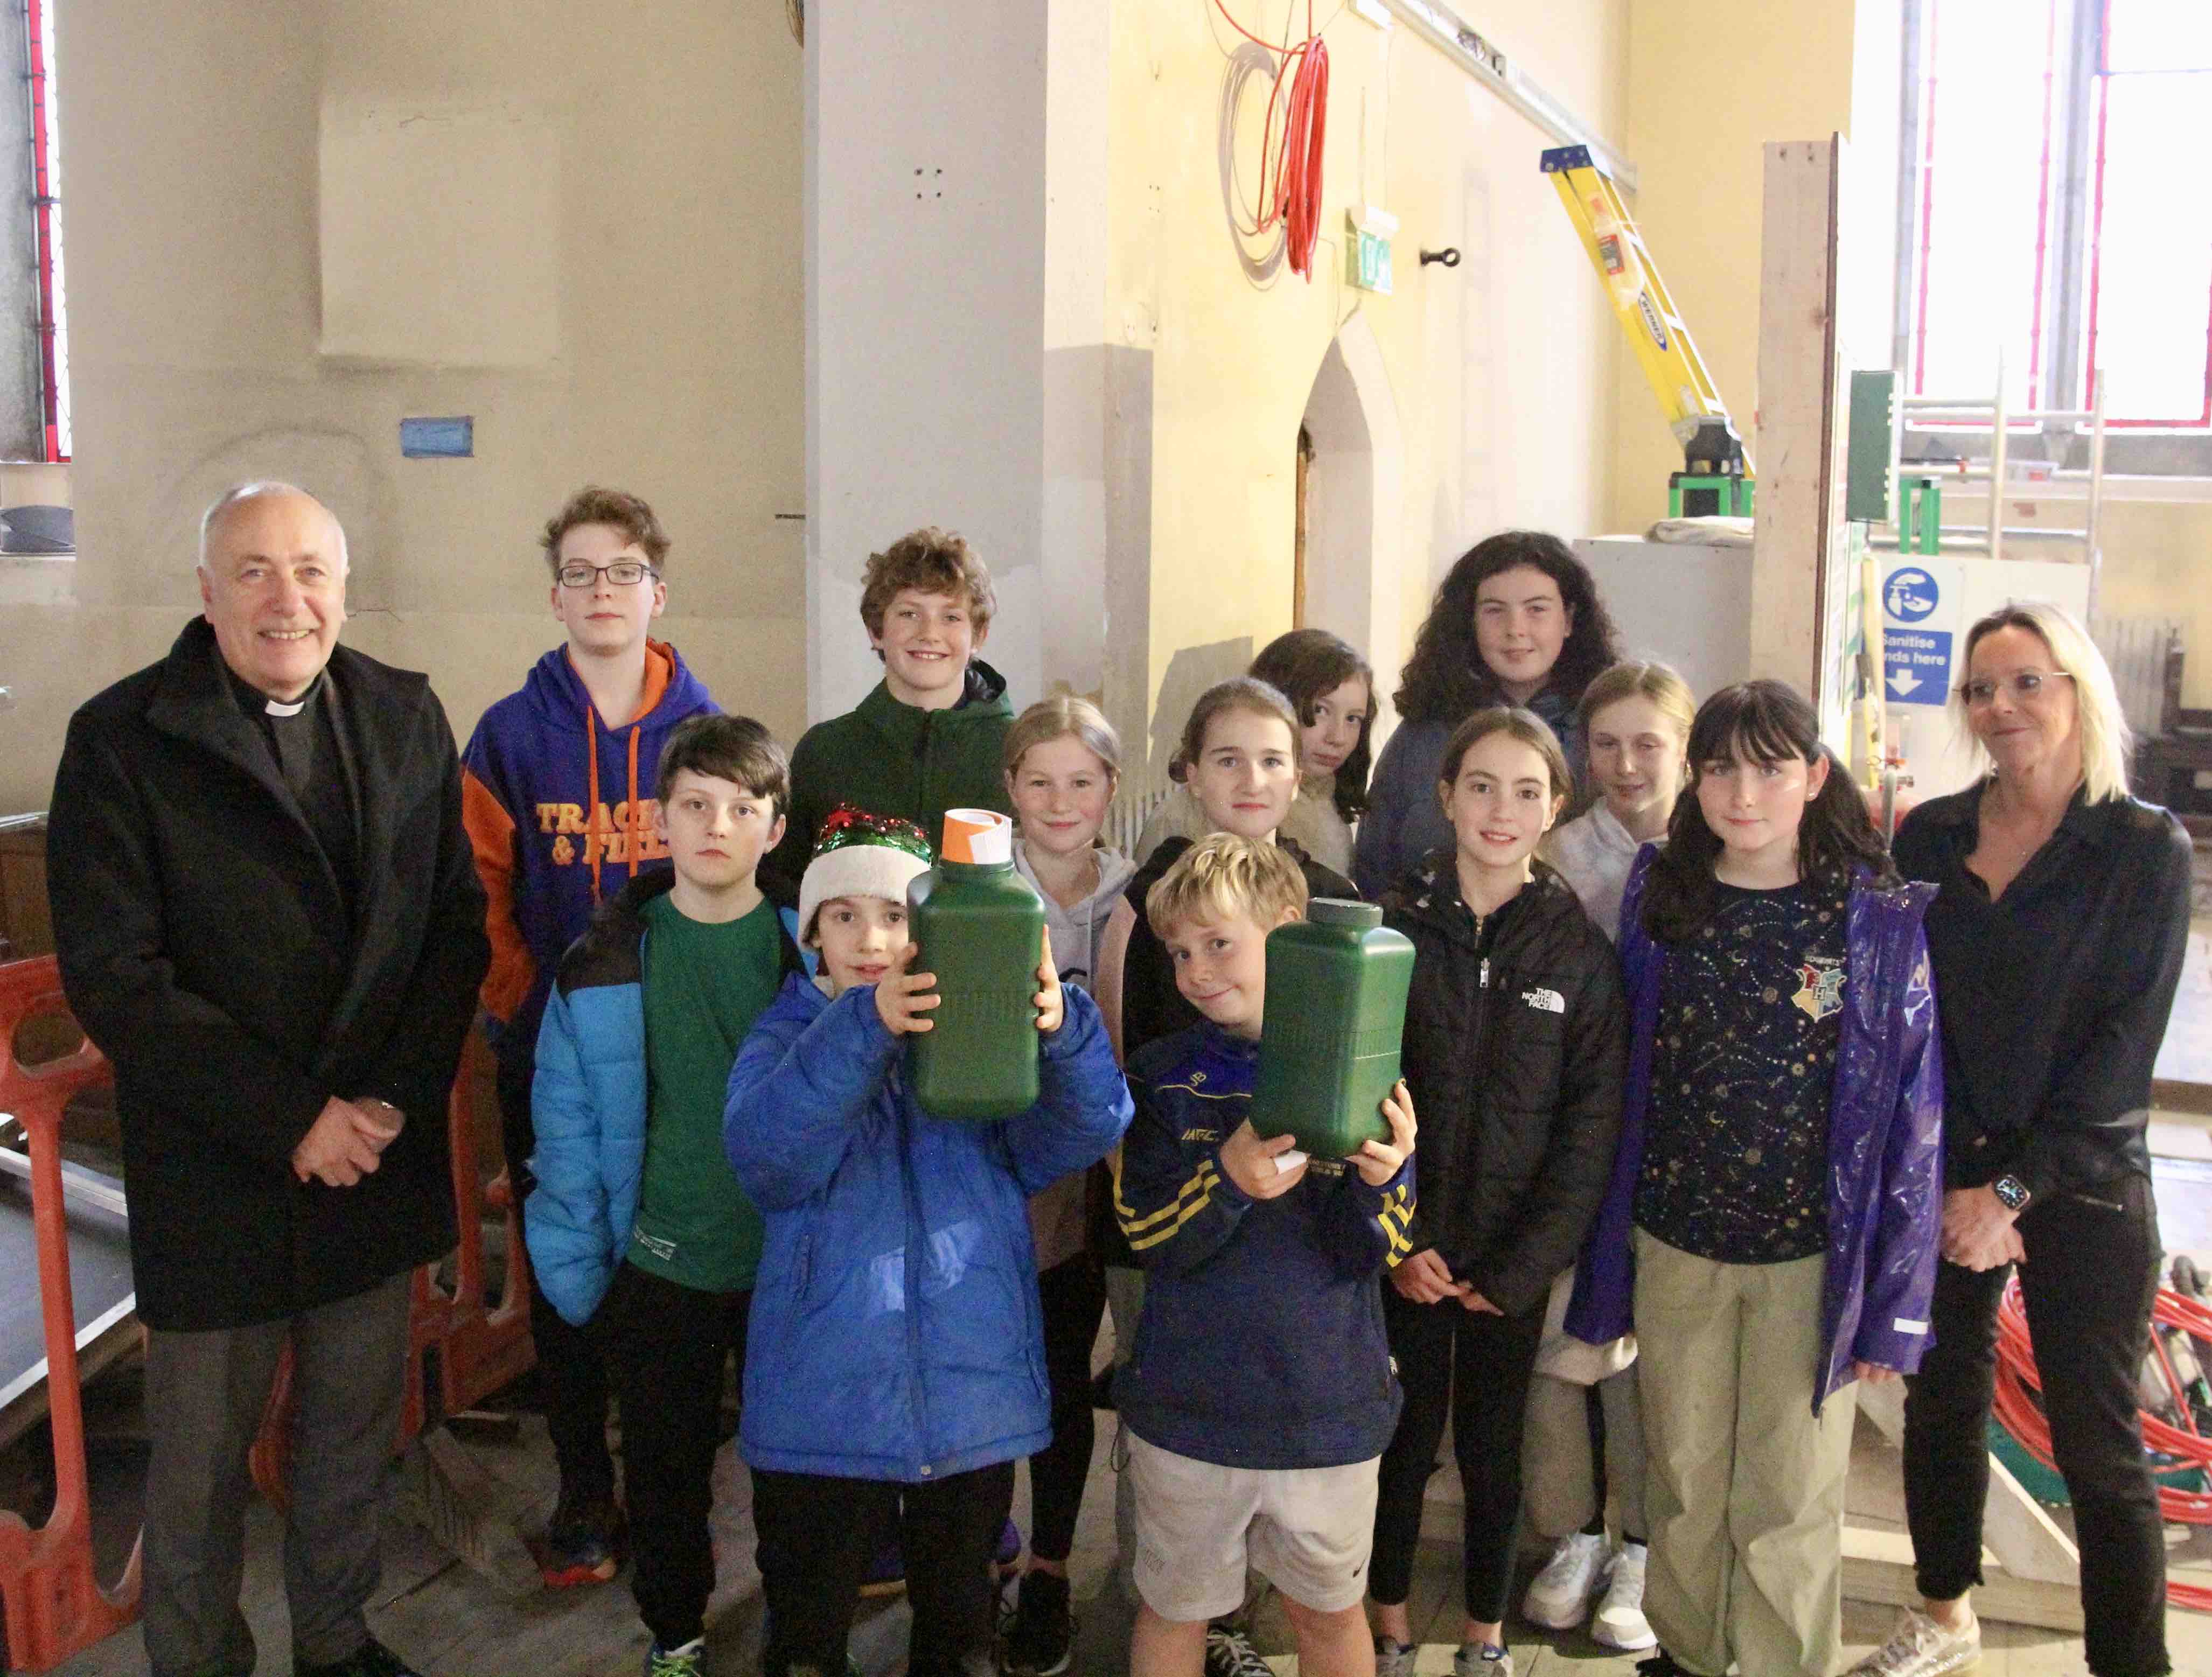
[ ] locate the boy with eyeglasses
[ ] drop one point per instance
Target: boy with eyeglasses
(556, 791)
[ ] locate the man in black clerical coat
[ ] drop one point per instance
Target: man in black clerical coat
(267, 918)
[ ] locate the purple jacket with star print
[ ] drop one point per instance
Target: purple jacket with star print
(1885, 1142)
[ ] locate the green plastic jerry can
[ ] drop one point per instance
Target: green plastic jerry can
(980, 929)
(1336, 1015)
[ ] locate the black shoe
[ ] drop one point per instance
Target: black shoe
(1041, 1637)
(1661, 1664)
(371, 1659)
(584, 1542)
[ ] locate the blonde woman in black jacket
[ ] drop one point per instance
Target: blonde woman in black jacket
(1517, 1037)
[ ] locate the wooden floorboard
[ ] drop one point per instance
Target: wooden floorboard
(452, 1622)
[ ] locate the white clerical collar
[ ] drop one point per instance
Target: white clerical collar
(281, 708)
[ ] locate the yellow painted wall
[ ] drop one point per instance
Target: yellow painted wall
(1700, 106)
(1501, 371)
(1706, 91)
(673, 139)
(22, 485)
(2158, 563)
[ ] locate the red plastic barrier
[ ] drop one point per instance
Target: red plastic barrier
(54, 1603)
(480, 1348)
(485, 1346)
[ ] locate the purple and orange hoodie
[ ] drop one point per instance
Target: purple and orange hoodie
(559, 809)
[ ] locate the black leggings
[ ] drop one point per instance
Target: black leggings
(1074, 1296)
(817, 1534)
(1477, 1367)
(2091, 1273)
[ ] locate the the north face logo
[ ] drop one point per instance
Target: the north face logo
(1545, 1001)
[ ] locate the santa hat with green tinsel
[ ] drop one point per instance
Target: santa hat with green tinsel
(860, 854)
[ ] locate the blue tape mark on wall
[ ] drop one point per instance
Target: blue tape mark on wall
(438, 438)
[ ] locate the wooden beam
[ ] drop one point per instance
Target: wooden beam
(1878, 1567)
(1798, 507)
(2029, 1544)
(2026, 1541)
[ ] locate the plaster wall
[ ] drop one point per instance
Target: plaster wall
(1496, 380)
(662, 353)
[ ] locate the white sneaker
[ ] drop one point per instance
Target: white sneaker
(1395, 1659)
(1559, 1599)
(1620, 1622)
(1919, 1647)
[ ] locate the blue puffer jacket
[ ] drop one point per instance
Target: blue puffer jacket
(1885, 1142)
(587, 1103)
(895, 1329)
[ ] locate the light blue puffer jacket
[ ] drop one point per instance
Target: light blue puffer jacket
(895, 1329)
(588, 1104)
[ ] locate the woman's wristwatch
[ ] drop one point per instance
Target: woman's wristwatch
(2012, 1193)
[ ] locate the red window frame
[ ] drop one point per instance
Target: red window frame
(1930, 84)
(2202, 418)
(43, 204)
(2089, 302)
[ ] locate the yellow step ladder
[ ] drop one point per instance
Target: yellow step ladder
(1718, 475)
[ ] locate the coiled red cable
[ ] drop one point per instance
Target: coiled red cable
(1290, 157)
(2019, 1413)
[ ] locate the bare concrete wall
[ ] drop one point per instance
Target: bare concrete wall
(670, 141)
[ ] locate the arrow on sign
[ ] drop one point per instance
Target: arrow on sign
(1903, 682)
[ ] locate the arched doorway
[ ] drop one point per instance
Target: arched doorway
(1350, 524)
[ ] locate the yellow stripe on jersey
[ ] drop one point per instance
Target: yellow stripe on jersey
(1200, 1183)
(1206, 1182)
(1395, 1217)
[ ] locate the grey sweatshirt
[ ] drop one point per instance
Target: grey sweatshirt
(1057, 1213)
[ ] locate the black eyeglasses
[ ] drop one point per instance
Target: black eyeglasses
(2023, 684)
(624, 574)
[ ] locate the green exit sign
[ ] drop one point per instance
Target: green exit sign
(1367, 262)
(1368, 228)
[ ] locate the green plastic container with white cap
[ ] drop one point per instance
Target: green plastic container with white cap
(1335, 1020)
(980, 929)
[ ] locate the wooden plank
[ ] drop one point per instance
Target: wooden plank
(2027, 1542)
(1884, 1407)
(1795, 514)
(25, 921)
(1878, 1567)
(2170, 1096)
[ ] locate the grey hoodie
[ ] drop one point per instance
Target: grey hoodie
(1076, 932)
(1057, 1220)
(1594, 853)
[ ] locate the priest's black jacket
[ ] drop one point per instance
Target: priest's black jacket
(207, 946)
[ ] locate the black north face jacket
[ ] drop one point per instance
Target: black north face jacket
(1516, 1051)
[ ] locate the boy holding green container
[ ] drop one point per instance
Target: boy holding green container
(896, 1369)
(1252, 1266)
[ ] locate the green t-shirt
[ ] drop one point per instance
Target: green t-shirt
(704, 987)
